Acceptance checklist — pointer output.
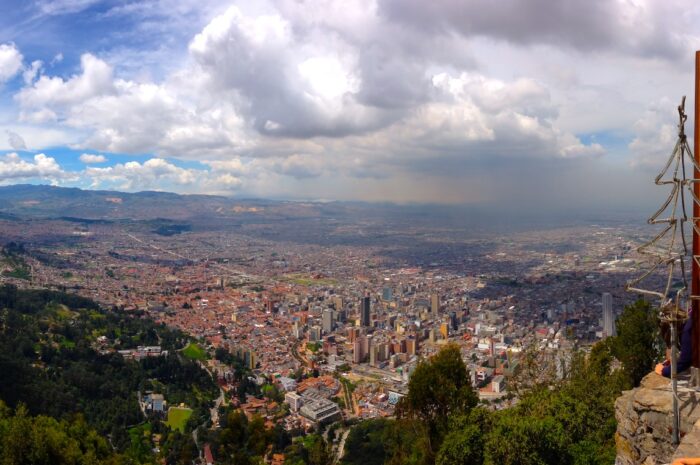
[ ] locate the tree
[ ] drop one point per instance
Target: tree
(636, 344)
(522, 440)
(391, 442)
(463, 446)
(439, 388)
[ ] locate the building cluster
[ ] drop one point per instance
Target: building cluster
(340, 329)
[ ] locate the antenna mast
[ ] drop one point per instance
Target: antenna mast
(695, 268)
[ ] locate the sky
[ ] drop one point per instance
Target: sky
(525, 104)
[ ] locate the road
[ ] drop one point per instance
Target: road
(341, 446)
(296, 355)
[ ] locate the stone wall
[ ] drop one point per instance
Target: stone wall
(644, 422)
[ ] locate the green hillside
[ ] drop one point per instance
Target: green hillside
(60, 354)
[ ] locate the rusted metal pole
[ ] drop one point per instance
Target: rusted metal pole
(695, 276)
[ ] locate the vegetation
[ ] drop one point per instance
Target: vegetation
(44, 440)
(439, 388)
(314, 346)
(49, 349)
(637, 344)
(177, 418)
(12, 255)
(194, 351)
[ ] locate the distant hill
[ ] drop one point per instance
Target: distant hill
(50, 201)
(169, 213)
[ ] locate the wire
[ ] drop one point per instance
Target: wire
(669, 248)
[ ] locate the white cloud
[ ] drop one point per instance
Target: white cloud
(30, 73)
(154, 173)
(89, 158)
(656, 133)
(14, 168)
(10, 62)
(62, 7)
(54, 97)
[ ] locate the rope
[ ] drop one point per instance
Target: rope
(672, 308)
(669, 248)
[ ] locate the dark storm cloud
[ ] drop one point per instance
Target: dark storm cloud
(592, 25)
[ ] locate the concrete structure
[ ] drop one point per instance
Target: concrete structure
(294, 400)
(357, 354)
(321, 411)
(498, 383)
(288, 384)
(327, 321)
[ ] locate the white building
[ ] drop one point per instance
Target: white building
(294, 400)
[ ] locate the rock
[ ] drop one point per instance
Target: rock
(644, 423)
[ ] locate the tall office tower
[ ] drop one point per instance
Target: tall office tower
(338, 303)
(434, 304)
(327, 321)
(453, 321)
(384, 351)
(411, 346)
(364, 311)
(608, 318)
(357, 351)
(387, 295)
(365, 342)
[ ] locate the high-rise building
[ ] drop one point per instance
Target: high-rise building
(434, 303)
(608, 317)
(327, 321)
(444, 330)
(411, 345)
(297, 330)
(453, 321)
(365, 311)
(315, 334)
(357, 354)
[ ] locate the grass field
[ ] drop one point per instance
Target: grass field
(177, 418)
(304, 280)
(194, 351)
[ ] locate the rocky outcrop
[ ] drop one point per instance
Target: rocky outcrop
(645, 418)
